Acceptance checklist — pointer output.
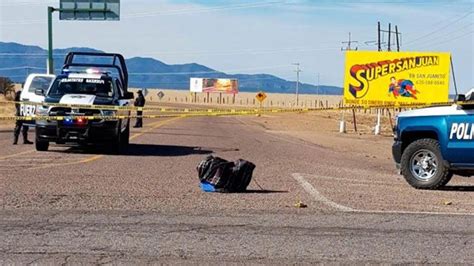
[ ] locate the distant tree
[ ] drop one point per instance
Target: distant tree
(7, 88)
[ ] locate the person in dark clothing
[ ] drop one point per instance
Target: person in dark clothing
(19, 126)
(139, 102)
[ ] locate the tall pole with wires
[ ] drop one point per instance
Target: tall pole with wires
(389, 35)
(398, 39)
(298, 70)
(349, 44)
(379, 44)
(317, 88)
(342, 123)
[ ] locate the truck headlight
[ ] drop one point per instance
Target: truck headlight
(108, 112)
(42, 110)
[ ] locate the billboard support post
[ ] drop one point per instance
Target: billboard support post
(354, 118)
(454, 77)
(342, 123)
(377, 126)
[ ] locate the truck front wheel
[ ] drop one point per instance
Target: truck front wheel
(41, 145)
(422, 165)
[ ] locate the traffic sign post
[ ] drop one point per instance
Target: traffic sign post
(261, 96)
(160, 95)
(109, 9)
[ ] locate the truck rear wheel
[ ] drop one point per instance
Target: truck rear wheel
(422, 165)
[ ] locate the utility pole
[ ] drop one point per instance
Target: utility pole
(317, 88)
(349, 43)
(398, 41)
(342, 123)
(389, 32)
(389, 35)
(378, 37)
(298, 70)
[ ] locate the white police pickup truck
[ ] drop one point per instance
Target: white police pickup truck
(431, 144)
(72, 95)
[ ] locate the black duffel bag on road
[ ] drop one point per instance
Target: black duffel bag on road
(219, 175)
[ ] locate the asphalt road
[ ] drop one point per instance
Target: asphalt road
(80, 205)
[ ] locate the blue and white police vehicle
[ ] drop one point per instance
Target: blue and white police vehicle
(431, 144)
(72, 95)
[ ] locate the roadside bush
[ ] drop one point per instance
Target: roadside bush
(7, 88)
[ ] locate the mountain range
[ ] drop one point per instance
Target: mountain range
(18, 60)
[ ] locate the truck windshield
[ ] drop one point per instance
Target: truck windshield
(98, 87)
(40, 83)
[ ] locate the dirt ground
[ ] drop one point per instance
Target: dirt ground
(322, 128)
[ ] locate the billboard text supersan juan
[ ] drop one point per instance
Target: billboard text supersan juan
(388, 77)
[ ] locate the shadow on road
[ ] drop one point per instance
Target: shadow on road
(263, 191)
(141, 150)
(162, 150)
(458, 188)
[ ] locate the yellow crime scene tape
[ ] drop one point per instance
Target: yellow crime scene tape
(189, 112)
(226, 110)
(127, 108)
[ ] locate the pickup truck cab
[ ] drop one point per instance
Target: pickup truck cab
(29, 98)
(432, 144)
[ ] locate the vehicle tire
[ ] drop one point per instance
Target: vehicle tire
(126, 135)
(423, 166)
(41, 145)
(115, 146)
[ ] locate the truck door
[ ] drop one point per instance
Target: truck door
(34, 82)
(460, 139)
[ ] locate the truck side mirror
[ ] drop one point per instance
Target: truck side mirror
(39, 92)
(128, 95)
(460, 98)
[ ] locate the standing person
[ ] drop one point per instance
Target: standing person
(19, 126)
(139, 102)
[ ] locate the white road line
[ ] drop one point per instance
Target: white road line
(317, 196)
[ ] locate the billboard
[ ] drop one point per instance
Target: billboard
(214, 85)
(394, 78)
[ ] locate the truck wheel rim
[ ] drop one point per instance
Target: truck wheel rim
(423, 165)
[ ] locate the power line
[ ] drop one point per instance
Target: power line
(165, 13)
(221, 53)
(453, 39)
(202, 10)
(448, 34)
(439, 29)
(171, 73)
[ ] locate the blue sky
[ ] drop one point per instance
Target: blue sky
(261, 36)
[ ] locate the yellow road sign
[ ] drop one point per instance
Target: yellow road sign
(261, 96)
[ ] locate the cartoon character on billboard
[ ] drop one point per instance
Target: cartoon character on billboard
(402, 87)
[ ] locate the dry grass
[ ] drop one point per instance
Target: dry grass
(6, 110)
(242, 99)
